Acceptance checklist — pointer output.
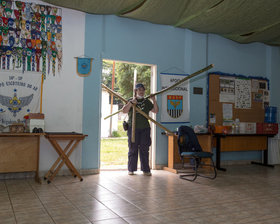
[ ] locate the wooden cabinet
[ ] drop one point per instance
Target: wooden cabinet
(19, 152)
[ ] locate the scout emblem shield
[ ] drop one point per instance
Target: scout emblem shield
(174, 105)
(84, 66)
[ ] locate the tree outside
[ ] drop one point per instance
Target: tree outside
(124, 74)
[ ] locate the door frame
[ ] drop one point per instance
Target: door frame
(153, 88)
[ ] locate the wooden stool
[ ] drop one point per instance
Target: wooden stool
(64, 154)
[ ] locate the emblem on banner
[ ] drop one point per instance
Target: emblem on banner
(174, 105)
(84, 66)
(14, 103)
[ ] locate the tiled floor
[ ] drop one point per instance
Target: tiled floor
(242, 194)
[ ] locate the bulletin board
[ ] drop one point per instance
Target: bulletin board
(233, 96)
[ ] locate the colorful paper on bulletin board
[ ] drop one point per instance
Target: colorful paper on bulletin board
(243, 93)
(227, 89)
(84, 66)
(19, 95)
(31, 37)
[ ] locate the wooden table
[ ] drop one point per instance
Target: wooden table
(174, 160)
(241, 142)
(64, 154)
(19, 152)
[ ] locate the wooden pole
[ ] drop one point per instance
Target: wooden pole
(176, 84)
(182, 80)
(41, 95)
(137, 109)
(133, 120)
(112, 98)
(113, 114)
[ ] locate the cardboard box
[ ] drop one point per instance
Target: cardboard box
(222, 129)
(16, 128)
(267, 128)
(36, 116)
(35, 123)
(248, 127)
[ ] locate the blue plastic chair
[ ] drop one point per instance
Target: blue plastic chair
(189, 148)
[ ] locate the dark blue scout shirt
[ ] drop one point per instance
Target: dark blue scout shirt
(141, 122)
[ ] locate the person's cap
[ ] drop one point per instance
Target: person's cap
(139, 85)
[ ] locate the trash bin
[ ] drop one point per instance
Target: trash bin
(273, 151)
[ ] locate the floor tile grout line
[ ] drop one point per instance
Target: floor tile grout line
(10, 201)
(41, 202)
(80, 209)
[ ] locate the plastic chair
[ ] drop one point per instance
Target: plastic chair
(189, 148)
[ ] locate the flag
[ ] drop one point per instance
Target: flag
(175, 102)
(20, 94)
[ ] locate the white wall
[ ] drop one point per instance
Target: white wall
(106, 110)
(63, 93)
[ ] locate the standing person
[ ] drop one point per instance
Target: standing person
(142, 130)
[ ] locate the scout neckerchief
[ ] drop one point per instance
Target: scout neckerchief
(4, 21)
(58, 20)
(11, 23)
(1, 11)
(44, 68)
(33, 59)
(24, 54)
(8, 12)
(14, 56)
(9, 4)
(3, 57)
(27, 10)
(49, 9)
(44, 54)
(17, 39)
(54, 53)
(38, 56)
(23, 28)
(8, 54)
(43, 35)
(3, 3)
(53, 28)
(5, 32)
(29, 54)
(17, 22)
(43, 9)
(20, 7)
(17, 14)
(49, 54)
(59, 55)
(59, 59)
(19, 57)
(1, 51)
(43, 27)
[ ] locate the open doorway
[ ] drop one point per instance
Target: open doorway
(120, 76)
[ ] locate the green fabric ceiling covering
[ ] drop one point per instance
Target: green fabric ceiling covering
(244, 21)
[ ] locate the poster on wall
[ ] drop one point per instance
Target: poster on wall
(175, 102)
(19, 95)
(242, 93)
(227, 89)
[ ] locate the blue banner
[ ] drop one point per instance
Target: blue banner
(84, 66)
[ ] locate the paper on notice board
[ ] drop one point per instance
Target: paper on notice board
(227, 89)
(243, 93)
(255, 85)
(227, 111)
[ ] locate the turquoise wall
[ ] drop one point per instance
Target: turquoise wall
(170, 49)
